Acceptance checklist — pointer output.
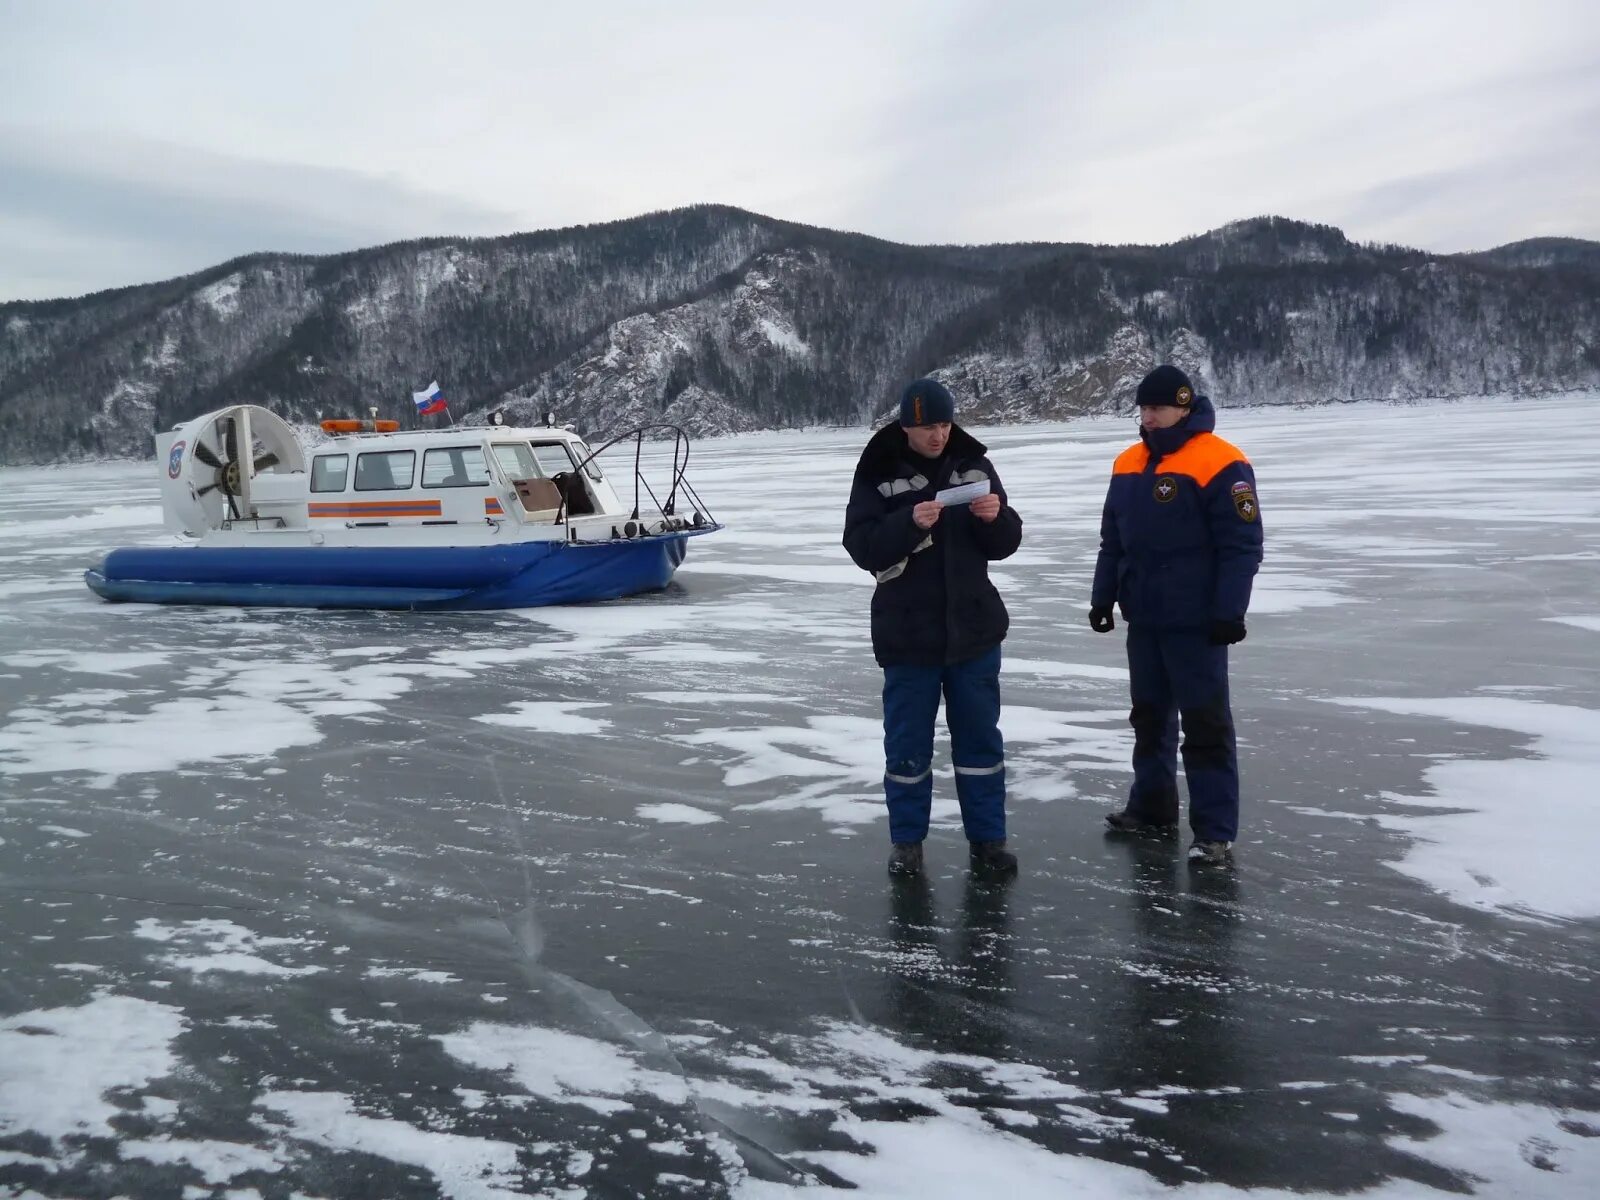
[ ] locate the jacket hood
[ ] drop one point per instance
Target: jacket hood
(890, 444)
(1202, 416)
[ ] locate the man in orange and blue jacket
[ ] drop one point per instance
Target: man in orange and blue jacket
(1180, 543)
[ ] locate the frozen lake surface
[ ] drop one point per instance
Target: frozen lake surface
(591, 901)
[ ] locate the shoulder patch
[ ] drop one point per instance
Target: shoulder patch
(1241, 486)
(1244, 503)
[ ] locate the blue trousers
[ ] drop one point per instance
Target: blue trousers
(972, 710)
(1179, 673)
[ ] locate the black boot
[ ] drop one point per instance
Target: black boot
(1211, 854)
(906, 859)
(992, 858)
(1127, 821)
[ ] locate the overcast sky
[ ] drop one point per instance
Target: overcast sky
(144, 140)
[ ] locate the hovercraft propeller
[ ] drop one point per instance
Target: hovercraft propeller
(227, 479)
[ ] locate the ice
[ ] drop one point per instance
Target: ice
(585, 900)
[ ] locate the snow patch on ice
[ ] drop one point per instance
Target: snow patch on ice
(1046, 669)
(88, 664)
(548, 716)
(119, 516)
(1523, 839)
(1590, 623)
(251, 710)
(163, 739)
(465, 1168)
(691, 698)
(219, 945)
(1286, 592)
(841, 748)
(677, 814)
(34, 585)
(420, 974)
(789, 573)
(218, 1162)
(111, 1043)
(563, 1066)
(1507, 1149)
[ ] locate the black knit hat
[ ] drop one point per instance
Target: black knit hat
(927, 402)
(1165, 386)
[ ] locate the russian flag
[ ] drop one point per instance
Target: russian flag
(430, 401)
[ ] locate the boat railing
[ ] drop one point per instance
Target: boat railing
(680, 486)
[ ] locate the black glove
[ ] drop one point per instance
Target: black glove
(1101, 620)
(1226, 633)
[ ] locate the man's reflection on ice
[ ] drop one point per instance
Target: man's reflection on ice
(1171, 1025)
(950, 988)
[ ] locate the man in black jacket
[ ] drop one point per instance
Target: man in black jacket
(937, 621)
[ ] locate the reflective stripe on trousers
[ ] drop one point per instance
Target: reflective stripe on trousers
(998, 767)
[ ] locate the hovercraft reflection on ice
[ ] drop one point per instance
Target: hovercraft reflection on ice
(374, 517)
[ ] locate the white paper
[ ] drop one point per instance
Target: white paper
(964, 494)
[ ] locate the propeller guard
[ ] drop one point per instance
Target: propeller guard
(203, 481)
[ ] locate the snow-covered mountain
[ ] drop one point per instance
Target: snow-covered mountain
(720, 320)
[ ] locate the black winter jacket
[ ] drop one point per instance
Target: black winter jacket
(934, 604)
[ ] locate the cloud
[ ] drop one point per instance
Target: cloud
(225, 129)
(99, 212)
(1151, 122)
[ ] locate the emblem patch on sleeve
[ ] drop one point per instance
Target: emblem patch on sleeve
(1166, 489)
(1244, 502)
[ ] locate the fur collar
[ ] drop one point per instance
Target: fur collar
(887, 449)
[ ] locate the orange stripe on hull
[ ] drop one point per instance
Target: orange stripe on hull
(493, 506)
(377, 508)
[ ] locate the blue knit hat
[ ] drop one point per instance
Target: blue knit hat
(926, 402)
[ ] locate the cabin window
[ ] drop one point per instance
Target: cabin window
(552, 458)
(592, 467)
(454, 466)
(387, 471)
(516, 460)
(330, 472)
